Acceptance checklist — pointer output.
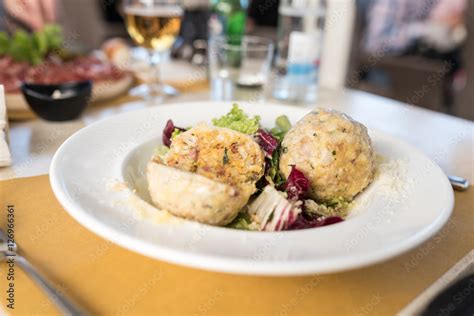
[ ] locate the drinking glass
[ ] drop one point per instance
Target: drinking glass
(239, 69)
(153, 25)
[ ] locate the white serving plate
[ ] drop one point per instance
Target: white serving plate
(408, 202)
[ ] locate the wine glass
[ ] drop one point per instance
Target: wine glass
(153, 25)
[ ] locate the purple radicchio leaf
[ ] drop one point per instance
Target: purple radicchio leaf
(168, 132)
(266, 140)
(305, 220)
(297, 185)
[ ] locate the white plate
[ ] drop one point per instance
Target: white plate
(409, 201)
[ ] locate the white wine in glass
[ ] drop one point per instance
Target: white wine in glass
(154, 25)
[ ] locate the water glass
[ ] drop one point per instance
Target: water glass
(239, 68)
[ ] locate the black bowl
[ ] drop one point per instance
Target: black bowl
(58, 102)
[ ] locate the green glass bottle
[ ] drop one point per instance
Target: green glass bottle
(228, 18)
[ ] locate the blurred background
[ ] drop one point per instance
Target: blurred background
(415, 51)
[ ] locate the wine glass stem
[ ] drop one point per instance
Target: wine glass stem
(155, 84)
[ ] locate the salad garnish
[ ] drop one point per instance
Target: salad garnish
(266, 140)
(272, 170)
(169, 132)
(238, 121)
(282, 126)
(273, 211)
(279, 203)
(296, 185)
(306, 220)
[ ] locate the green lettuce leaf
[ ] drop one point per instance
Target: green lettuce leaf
(282, 126)
(237, 120)
(242, 221)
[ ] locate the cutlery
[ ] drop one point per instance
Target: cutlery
(458, 183)
(8, 250)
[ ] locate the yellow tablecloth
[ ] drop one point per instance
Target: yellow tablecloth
(108, 279)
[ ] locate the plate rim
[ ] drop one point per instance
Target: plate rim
(219, 263)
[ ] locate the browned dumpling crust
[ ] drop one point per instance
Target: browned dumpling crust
(221, 154)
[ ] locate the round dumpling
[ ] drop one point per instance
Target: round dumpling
(333, 151)
(208, 175)
(193, 196)
(221, 154)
